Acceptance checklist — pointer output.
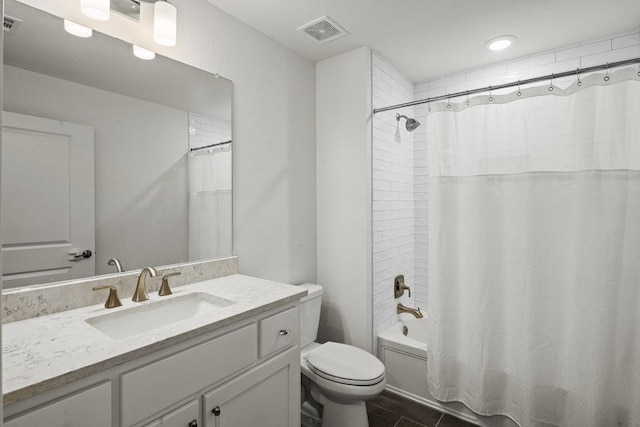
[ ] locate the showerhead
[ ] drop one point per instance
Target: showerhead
(411, 124)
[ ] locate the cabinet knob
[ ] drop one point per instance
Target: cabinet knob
(285, 331)
(216, 411)
(193, 423)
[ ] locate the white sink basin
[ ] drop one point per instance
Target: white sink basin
(153, 315)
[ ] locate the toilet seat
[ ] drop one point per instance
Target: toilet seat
(345, 364)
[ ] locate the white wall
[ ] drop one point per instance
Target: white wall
(393, 196)
(1, 99)
(343, 105)
(273, 131)
(136, 142)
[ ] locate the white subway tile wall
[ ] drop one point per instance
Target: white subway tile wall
(400, 215)
(204, 130)
(393, 194)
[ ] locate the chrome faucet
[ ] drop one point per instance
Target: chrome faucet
(415, 311)
(118, 264)
(140, 293)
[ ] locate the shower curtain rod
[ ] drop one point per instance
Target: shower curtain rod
(576, 72)
(210, 146)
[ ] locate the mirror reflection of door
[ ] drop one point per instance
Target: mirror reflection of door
(47, 200)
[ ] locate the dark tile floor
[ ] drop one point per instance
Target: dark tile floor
(391, 410)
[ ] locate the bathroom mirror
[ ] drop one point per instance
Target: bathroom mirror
(96, 156)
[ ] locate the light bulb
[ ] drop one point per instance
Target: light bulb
(165, 17)
(143, 53)
(77, 29)
(99, 10)
(501, 42)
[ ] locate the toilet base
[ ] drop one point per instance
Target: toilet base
(344, 414)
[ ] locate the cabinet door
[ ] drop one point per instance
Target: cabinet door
(266, 396)
(88, 408)
(185, 416)
(149, 390)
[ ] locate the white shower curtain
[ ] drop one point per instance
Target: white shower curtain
(210, 204)
(534, 254)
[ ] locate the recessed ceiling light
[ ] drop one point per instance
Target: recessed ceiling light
(500, 42)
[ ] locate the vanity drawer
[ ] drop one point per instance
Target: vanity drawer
(145, 391)
(184, 416)
(91, 407)
(279, 331)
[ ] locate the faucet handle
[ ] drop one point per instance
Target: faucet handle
(113, 300)
(399, 287)
(164, 288)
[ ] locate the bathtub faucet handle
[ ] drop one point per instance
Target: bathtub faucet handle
(399, 287)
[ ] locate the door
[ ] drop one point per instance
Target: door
(48, 208)
(266, 396)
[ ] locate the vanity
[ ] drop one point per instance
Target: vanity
(231, 358)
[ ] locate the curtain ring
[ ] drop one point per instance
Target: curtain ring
(519, 93)
(606, 75)
(490, 96)
(551, 83)
(448, 102)
(578, 76)
(468, 97)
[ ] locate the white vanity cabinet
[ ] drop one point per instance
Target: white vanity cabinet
(245, 373)
(90, 407)
(259, 397)
(150, 389)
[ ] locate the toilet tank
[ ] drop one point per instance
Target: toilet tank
(310, 314)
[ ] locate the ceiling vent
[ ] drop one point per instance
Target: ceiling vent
(11, 24)
(323, 30)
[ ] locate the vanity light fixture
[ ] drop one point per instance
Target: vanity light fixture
(143, 53)
(77, 29)
(165, 18)
(500, 42)
(100, 10)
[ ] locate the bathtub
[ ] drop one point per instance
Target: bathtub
(403, 350)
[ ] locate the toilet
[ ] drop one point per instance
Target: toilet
(337, 376)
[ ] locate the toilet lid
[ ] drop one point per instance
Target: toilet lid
(345, 364)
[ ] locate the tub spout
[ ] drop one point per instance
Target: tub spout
(415, 311)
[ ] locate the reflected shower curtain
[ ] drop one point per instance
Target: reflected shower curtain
(534, 254)
(209, 204)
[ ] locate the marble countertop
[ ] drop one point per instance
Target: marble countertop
(43, 353)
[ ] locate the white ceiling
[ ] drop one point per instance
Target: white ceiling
(430, 38)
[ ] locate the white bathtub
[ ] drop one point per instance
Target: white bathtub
(405, 360)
